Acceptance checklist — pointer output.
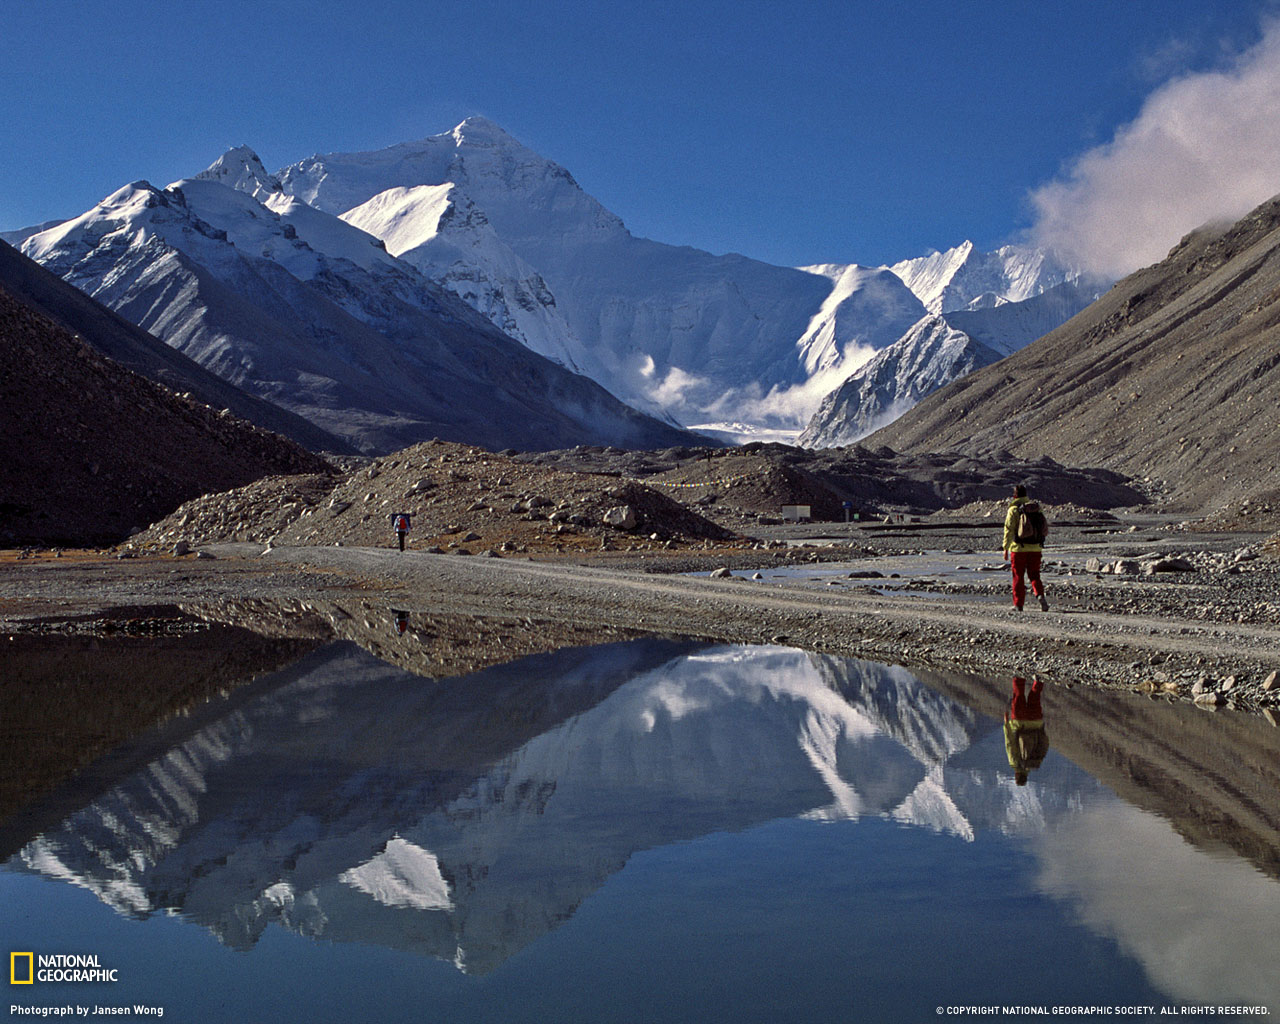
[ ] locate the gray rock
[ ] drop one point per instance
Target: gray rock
(723, 573)
(1172, 565)
(1272, 682)
(182, 548)
(621, 517)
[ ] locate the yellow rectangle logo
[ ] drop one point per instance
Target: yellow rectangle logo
(14, 960)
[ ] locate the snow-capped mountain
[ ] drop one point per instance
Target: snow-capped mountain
(348, 801)
(691, 337)
(932, 353)
(673, 330)
(314, 314)
(987, 322)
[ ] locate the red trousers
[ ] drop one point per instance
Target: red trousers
(1023, 707)
(1025, 563)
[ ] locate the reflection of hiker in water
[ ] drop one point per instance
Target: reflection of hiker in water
(1025, 739)
(400, 521)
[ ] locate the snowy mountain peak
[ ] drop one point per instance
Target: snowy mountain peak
(241, 169)
(123, 210)
(965, 278)
(477, 130)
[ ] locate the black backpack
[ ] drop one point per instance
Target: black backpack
(1032, 526)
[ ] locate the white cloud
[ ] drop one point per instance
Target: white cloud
(1205, 147)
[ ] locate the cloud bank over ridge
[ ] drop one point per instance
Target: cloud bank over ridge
(1205, 147)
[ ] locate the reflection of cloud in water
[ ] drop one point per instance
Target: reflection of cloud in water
(1195, 921)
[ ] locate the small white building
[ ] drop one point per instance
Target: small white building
(796, 513)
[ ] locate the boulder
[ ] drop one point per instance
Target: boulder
(1172, 565)
(621, 517)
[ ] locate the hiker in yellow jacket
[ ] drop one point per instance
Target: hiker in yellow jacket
(1025, 529)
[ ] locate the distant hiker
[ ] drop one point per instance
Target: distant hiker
(402, 621)
(1025, 740)
(400, 521)
(1025, 530)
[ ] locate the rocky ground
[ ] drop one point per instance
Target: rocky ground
(1138, 602)
(460, 500)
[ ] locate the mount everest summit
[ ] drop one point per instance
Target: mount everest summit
(331, 288)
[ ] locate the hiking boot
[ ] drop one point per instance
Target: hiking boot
(1044, 603)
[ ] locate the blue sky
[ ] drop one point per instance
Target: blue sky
(793, 132)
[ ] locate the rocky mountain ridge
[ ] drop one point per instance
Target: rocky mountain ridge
(93, 450)
(308, 312)
(1169, 377)
(127, 344)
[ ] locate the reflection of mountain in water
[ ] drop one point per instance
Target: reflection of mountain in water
(464, 819)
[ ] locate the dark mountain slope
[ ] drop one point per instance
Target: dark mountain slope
(92, 449)
(1172, 376)
(132, 347)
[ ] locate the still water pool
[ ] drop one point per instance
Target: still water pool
(645, 831)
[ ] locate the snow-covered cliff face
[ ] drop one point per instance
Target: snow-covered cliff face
(314, 314)
(928, 356)
(964, 278)
(346, 795)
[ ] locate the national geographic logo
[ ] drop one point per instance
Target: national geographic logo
(16, 968)
(29, 968)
